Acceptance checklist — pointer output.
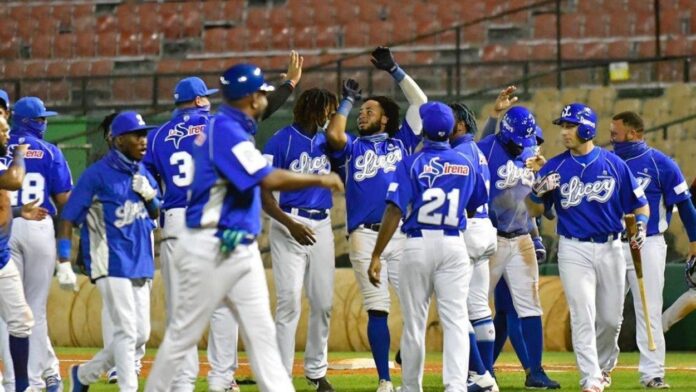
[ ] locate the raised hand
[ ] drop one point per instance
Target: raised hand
(383, 59)
(504, 100)
(351, 90)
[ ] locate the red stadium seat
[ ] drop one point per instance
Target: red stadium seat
(63, 46)
(281, 38)
(85, 45)
(35, 69)
(170, 20)
(304, 38)
(619, 49)
(128, 44)
(572, 25)
(327, 37)
(128, 18)
(257, 40)
(212, 10)
(543, 52)
(14, 69)
(168, 65)
(107, 44)
(215, 40)
(41, 46)
(545, 26)
(192, 23)
(278, 18)
(593, 50)
(150, 44)
(149, 19)
(107, 23)
(644, 23)
(597, 25)
(58, 68)
(232, 10)
(678, 45)
(79, 68)
(518, 52)
(101, 68)
(355, 36)
(257, 18)
(381, 32)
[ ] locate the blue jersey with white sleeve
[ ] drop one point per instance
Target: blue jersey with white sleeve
(467, 146)
(435, 188)
(116, 229)
(510, 183)
(292, 149)
(168, 155)
(47, 171)
(662, 181)
(225, 192)
(595, 192)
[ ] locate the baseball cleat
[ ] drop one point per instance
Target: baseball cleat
(233, 387)
(593, 388)
(606, 379)
(75, 384)
(537, 379)
(657, 383)
(480, 382)
(53, 383)
(385, 386)
(321, 384)
(112, 376)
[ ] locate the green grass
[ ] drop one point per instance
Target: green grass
(511, 378)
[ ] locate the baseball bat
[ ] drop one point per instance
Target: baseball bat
(631, 230)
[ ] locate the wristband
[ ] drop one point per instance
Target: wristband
(16, 211)
(536, 198)
(642, 218)
(398, 74)
(64, 248)
(345, 106)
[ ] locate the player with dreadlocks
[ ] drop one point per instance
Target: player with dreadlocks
(301, 237)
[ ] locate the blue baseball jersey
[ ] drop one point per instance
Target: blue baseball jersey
(593, 196)
(293, 150)
(116, 229)
(225, 192)
(370, 163)
(5, 229)
(47, 171)
(663, 183)
(467, 146)
(510, 183)
(435, 188)
(168, 155)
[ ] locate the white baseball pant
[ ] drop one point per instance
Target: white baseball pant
(593, 277)
(222, 348)
(481, 244)
(654, 255)
(515, 259)
(33, 247)
(128, 304)
(435, 264)
(685, 304)
(206, 278)
(313, 267)
(108, 336)
(362, 242)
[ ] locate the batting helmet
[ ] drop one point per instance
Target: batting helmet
(242, 80)
(519, 127)
(581, 115)
(438, 120)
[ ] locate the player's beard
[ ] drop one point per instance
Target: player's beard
(371, 129)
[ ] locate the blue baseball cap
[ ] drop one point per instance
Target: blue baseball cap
(127, 122)
(438, 120)
(189, 88)
(31, 107)
(5, 98)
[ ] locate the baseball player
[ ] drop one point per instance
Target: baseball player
(590, 190)
(116, 204)
(223, 220)
(14, 310)
(47, 180)
(480, 237)
(433, 190)
(301, 236)
(370, 161)
(664, 187)
(515, 258)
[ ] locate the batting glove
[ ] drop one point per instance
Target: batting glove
(229, 240)
(690, 272)
(142, 187)
(638, 239)
(546, 184)
(383, 59)
(539, 249)
(351, 90)
(66, 277)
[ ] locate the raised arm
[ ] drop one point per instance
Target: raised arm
(336, 131)
(277, 98)
(503, 101)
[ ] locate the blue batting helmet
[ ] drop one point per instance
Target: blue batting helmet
(519, 126)
(581, 115)
(438, 120)
(242, 80)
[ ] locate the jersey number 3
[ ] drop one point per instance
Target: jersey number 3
(434, 199)
(184, 163)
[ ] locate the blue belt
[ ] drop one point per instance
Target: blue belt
(417, 233)
(602, 238)
(305, 213)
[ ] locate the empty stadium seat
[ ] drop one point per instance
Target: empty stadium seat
(601, 99)
(572, 25)
(57, 68)
(85, 45)
(623, 105)
(106, 44)
(63, 46)
(215, 40)
(569, 95)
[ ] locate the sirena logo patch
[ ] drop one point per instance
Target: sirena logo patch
(575, 191)
(180, 132)
(511, 175)
(129, 212)
(308, 165)
(367, 165)
(434, 169)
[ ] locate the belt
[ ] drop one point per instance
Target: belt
(371, 226)
(305, 213)
(510, 235)
(419, 233)
(601, 238)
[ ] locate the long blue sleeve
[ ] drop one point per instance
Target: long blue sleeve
(687, 213)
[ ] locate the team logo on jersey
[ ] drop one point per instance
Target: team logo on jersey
(129, 212)
(308, 165)
(34, 154)
(643, 180)
(511, 175)
(575, 191)
(181, 131)
(367, 165)
(434, 169)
